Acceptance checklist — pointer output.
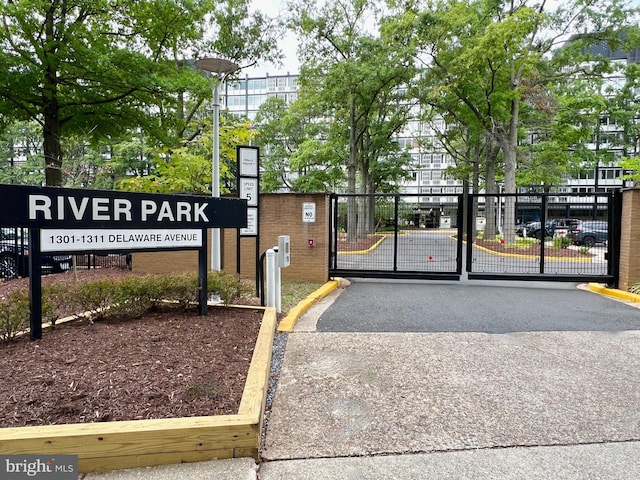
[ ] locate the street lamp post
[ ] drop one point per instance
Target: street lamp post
(220, 68)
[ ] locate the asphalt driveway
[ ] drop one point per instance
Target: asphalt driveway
(490, 307)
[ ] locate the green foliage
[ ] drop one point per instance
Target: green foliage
(14, 315)
(228, 286)
(561, 242)
(180, 288)
(187, 169)
(104, 69)
(95, 297)
(129, 297)
(53, 298)
(635, 288)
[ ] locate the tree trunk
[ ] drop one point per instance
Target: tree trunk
(51, 139)
(51, 145)
(510, 161)
(490, 189)
(363, 205)
(352, 209)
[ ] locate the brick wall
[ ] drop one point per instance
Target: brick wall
(630, 239)
(280, 214)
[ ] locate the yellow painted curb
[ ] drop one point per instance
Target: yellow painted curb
(289, 322)
(613, 292)
(368, 250)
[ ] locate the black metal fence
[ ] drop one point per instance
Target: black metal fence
(393, 236)
(572, 237)
(14, 257)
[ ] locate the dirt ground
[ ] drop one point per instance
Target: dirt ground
(166, 364)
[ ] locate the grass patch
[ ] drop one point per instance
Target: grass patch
(294, 292)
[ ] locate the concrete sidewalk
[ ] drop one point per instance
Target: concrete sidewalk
(614, 461)
(445, 403)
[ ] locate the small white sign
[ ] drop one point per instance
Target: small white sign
(308, 212)
(69, 240)
(248, 162)
(252, 223)
(249, 190)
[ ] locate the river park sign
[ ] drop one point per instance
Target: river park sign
(85, 221)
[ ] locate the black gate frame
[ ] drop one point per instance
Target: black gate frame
(614, 218)
(334, 271)
(465, 223)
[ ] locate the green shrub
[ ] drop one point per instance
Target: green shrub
(122, 298)
(229, 286)
(54, 297)
(635, 288)
(181, 288)
(94, 297)
(133, 296)
(561, 242)
(14, 315)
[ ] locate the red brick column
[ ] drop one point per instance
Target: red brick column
(630, 239)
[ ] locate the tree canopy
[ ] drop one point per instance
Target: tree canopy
(101, 68)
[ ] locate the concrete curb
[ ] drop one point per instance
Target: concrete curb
(615, 293)
(288, 323)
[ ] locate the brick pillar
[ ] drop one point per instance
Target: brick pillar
(630, 239)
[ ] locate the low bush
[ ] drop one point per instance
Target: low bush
(561, 242)
(228, 286)
(14, 315)
(93, 297)
(635, 288)
(128, 297)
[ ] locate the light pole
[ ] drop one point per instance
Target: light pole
(220, 68)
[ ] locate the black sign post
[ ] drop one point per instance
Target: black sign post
(76, 221)
(35, 284)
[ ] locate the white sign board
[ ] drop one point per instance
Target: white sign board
(252, 222)
(249, 190)
(69, 240)
(248, 162)
(308, 212)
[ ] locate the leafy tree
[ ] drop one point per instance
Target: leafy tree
(187, 169)
(488, 54)
(298, 154)
(357, 76)
(20, 160)
(109, 67)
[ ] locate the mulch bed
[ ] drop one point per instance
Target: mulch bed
(168, 363)
(531, 249)
(360, 244)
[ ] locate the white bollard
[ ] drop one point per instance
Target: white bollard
(278, 288)
(273, 281)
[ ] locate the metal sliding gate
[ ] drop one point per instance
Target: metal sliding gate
(399, 236)
(392, 236)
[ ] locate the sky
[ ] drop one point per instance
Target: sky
(274, 8)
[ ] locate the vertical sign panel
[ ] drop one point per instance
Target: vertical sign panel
(248, 159)
(249, 187)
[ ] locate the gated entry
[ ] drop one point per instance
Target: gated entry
(399, 236)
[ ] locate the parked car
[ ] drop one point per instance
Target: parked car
(561, 226)
(533, 229)
(14, 257)
(589, 232)
(554, 227)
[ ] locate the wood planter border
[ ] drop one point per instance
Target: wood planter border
(142, 443)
